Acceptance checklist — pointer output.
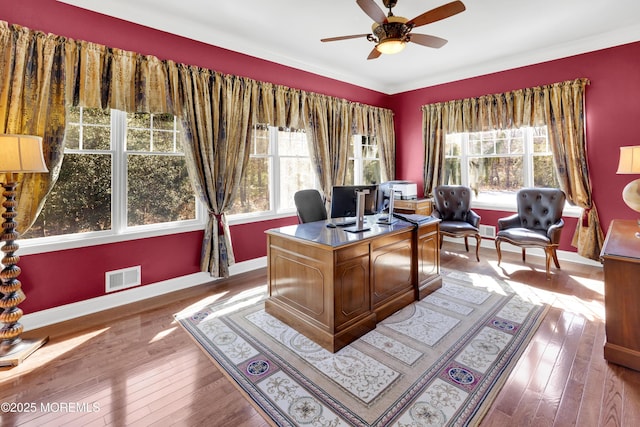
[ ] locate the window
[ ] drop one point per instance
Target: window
(158, 186)
(495, 164)
(120, 171)
(364, 161)
(279, 165)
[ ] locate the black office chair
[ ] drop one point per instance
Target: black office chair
(310, 206)
(452, 204)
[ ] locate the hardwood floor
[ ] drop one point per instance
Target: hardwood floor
(135, 366)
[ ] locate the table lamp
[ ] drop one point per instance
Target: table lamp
(630, 164)
(18, 154)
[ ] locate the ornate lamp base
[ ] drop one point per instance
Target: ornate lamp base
(13, 349)
(16, 354)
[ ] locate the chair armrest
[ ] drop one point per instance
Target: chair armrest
(510, 221)
(553, 233)
(473, 218)
(436, 213)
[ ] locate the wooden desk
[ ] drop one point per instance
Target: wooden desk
(333, 286)
(621, 258)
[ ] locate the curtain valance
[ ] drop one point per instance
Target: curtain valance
(514, 109)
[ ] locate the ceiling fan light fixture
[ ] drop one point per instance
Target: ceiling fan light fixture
(391, 33)
(391, 46)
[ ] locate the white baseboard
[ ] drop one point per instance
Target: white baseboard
(562, 255)
(82, 308)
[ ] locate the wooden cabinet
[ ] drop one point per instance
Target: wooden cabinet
(427, 247)
(392, 274)
(420, 206)
(621, 258)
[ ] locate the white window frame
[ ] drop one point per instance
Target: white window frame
(506, 204)
(274, 133)
(358, 159)
(275, 211)
(119, 230)
(274, 157)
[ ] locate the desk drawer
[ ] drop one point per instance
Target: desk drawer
(352, 252)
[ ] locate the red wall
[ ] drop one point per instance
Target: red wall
(612, 112)
(61, 277)
(57, 278)
(249, 240)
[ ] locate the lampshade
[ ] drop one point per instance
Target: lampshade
(629, 160)
(390, 46)
(21, 153)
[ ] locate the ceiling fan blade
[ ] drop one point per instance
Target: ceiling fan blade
(438, 13)
(429, 41)
(333, 39)
(375, 53)
(372, 10)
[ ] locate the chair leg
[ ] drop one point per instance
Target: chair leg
(555, 257)
(478, 240)
(466, 243)
(441, 240)
(523, 254)
(548, 252)
(498, 250)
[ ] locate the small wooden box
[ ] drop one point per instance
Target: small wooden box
(419, 206)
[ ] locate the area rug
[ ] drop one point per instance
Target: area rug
(437, 362)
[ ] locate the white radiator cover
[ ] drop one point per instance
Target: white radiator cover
(122, 279)
(487, 231)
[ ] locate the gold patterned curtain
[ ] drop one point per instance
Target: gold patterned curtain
(32, 102)
(387, 144)
(433, 134)
(564, 115)
(216, 123)
(279, 106)
(103, 77)
(559, 106)
(328, 123)
(378, 122)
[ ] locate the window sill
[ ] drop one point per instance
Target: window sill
(75, 241)
(569, 211)
(247, 219)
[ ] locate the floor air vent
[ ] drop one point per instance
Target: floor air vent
(122, 279)
(488, 231)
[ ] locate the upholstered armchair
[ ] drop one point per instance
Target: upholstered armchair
(537, 224)
(452, 204)
(310, 206)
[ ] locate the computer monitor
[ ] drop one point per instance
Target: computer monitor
(343, 200)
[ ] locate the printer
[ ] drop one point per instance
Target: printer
(406, 191)
(403, 190)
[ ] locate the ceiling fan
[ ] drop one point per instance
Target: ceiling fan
(391, 33)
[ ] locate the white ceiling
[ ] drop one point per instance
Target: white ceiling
(490, 36)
